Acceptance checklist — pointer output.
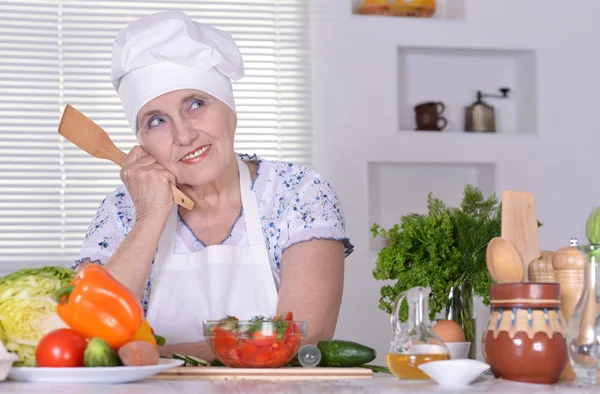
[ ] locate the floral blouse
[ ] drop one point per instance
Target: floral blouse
(295, 205)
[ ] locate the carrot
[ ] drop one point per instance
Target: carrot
(138, 353)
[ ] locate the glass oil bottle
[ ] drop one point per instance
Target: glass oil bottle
(417, 344)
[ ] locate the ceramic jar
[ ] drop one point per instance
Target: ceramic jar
(525, 338)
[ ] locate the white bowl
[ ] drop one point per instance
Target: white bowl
(458, 350)
(6, 362)
(454, 373)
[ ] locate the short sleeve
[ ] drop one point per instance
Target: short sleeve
(104, 234)
(316, 213)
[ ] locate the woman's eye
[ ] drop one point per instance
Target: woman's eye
(197, 104)
(155, 122)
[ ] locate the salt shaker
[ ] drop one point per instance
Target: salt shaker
(309, 356)
(569, 264)
(541, 270)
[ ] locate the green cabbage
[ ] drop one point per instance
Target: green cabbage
(28, 308)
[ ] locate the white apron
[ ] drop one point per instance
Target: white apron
(219, 280)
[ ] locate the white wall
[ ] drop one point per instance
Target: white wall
(363, 97)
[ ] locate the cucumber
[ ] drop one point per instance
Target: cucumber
(190, 360)
(160, 341)
(177, 356)
(338, 353)
(196, 361)
(377, 368)
(216, 363)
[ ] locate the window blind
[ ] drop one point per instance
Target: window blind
(54, 53)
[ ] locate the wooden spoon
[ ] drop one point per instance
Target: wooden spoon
(87, 135)
(503, 261)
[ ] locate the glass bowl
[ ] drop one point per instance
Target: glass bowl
(254, 343)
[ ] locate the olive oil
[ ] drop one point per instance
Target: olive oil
(406, 366)
(415, 344)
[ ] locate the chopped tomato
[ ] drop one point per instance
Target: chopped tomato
(281, 355)
(263, 356)
(246, 351)
(294, 341)
(259, 339)
(260, 349)
(228, 356)
(224, 338)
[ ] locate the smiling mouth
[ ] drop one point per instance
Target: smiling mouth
(196, 153)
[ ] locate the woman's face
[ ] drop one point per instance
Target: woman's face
(190, 133)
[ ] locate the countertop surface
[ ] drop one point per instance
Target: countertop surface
(378, 384)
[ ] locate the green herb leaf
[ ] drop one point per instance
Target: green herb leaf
(257, 323)
(440, 249)
(281, 326)
(281, 329)
(229, 323)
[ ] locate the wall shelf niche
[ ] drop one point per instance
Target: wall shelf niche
(399, 188)
(454, 75)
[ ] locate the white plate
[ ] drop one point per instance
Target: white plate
(90, 375)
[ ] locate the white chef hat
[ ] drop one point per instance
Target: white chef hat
(168, 51)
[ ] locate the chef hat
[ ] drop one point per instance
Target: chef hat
(168, 51)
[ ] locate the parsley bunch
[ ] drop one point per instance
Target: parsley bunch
(444, 248)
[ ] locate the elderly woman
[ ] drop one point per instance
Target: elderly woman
(264, 237)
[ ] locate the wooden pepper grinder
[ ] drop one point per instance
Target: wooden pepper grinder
(541, 269)
(568, 264)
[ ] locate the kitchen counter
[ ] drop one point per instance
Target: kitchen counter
(378, 384)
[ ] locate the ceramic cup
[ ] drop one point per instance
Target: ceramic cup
(428, 116)
(458, 350)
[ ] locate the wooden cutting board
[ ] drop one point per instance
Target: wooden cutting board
(520, 226)
(287, 373)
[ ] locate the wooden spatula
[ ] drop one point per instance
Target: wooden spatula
(520, 226)
(87, 135)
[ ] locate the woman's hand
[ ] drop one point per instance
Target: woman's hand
(148, 184)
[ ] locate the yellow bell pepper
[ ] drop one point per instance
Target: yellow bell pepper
(145, 334)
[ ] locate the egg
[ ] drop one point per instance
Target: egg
(449, 331)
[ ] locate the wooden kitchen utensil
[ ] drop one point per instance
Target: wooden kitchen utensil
(503, 261)
(87, 135)
(286, 373)
(520, 226)
(541, 270)
(569, 264)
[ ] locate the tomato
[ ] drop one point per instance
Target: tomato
(261, 349)
(280, 355)
(229, 357)
(246, 351)
(263, 356)
(61, 348)
(224, 339)
(258, 339)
